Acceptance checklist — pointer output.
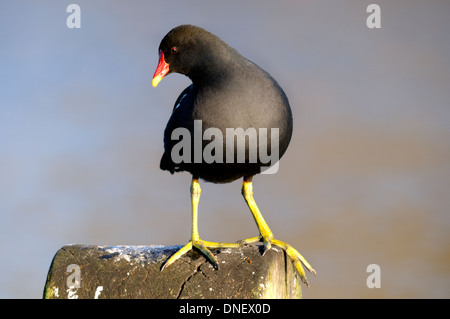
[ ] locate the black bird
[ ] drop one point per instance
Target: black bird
(220, 124)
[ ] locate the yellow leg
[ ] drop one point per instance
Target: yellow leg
(266, 235)
(195, 241)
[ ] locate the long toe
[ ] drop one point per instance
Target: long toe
(298, 260)
(199, 244)
(202, 246)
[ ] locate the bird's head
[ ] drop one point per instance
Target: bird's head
(188, 50)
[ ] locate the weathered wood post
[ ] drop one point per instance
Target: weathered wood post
(90, 272)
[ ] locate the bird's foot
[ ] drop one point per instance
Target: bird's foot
(295, 256)
(202, 246)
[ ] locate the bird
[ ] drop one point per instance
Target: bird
(218, 129)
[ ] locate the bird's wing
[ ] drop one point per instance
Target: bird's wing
(181, 97)
(166, 163)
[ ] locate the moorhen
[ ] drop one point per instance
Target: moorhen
(218, 130)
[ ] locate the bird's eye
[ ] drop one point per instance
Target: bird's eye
(173, 50)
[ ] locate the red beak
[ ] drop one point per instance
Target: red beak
(161, 70)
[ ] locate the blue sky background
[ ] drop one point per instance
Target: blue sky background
(365, 180)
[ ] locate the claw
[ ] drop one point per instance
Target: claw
(177, 255)
(297, 259)
(209, 255)
(267, 246)
(291, 252)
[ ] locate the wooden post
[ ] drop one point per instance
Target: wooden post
(88, 272)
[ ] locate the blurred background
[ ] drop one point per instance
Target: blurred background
(365, 181)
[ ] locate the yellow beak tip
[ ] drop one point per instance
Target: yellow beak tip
(156, 80)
